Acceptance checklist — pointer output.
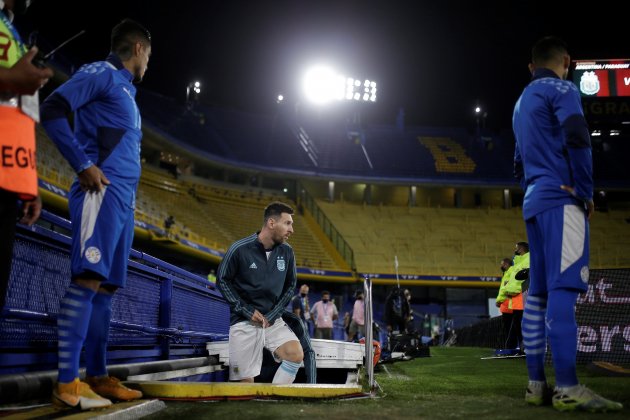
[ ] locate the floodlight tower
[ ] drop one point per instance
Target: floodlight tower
(323, 85)
(193, 89)
(480, 118)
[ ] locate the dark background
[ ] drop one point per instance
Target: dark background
(437, 60)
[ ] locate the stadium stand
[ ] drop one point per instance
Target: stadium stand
(427, 241)
(205, 213)
(452, 241)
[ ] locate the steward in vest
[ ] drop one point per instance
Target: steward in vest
(19, 110)
(513, 285)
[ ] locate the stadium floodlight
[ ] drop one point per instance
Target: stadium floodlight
(322, 85)
(477, 110)
(280, 98)
(193, 87)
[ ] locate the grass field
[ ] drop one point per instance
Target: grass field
(452, 383)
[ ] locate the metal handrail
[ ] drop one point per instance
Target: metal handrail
(369, 349)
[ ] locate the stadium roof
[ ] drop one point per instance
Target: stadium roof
(437, 60)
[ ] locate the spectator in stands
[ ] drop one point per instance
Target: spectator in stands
(257, 277)
(396, 313)
(356, 329)
(554, 164)
(212, 277)
(104, 150)
(324, 312)
(20, 81)
(168, 223)
(301, 307)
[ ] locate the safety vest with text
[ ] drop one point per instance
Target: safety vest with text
(18, 172)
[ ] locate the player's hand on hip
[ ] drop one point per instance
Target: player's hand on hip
(590, 208)
(589, 205)
(93, 179)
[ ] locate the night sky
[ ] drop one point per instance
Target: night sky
(435, 59)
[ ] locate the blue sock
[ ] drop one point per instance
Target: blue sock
(75, 310)
(97, 335)
(562, 332)
(534, 337)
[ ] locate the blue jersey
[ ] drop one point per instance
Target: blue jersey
(553, 146)
(107, 123)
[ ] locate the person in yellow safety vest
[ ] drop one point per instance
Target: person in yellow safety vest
(212, 277)
(20, 80)
(502, 301)
(511, 298)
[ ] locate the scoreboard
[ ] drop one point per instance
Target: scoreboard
(602, 78)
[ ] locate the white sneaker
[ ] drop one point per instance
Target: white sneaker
(579, 397)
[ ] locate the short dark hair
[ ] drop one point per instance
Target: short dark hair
(523, 245)
(548, 49)
(275, 210)
(325, 292)
(506, 260)
(125, 35)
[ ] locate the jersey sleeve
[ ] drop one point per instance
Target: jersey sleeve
(568, 110)
(225, 278)
(81, 89)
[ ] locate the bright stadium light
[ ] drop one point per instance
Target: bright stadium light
(322, 85)
(280, 98)
(193, 89)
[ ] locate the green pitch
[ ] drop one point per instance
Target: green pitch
(453, 383)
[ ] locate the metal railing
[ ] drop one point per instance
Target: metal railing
(369, 330)
(342, 246)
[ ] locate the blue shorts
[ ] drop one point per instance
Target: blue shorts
(102, 233)
(558, 250)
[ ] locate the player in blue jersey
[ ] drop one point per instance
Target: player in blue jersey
(553, 162)
(104, 150)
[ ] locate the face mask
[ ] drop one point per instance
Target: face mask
(325, 300)
(303, 294)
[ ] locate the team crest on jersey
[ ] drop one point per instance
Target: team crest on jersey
(589, 83)
(93, 254)
(584, 274)
(280, 264)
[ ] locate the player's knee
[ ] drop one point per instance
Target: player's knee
(293, 352)
(91, 284)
